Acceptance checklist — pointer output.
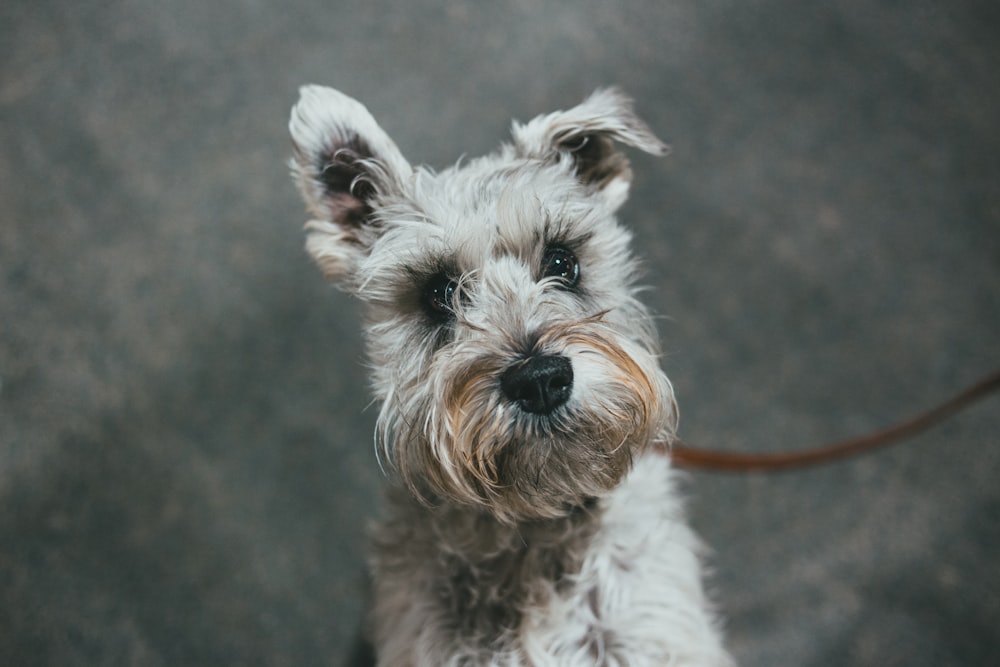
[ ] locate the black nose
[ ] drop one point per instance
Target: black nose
(539, 384)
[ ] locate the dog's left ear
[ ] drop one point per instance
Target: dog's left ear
(345, 165)
(586, 135)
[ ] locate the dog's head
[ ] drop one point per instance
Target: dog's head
(516, 368)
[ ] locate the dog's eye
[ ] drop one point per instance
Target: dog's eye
(559, 262)
(439, 296)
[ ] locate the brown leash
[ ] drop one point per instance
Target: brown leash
(688, 456)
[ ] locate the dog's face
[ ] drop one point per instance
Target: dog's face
(517, 371)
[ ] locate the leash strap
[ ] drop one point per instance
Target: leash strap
(688, 456)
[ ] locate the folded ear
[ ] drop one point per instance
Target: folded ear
(586, 135)
(344, 164)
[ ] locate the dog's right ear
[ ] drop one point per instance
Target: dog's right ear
(344, 164)
(585, 137)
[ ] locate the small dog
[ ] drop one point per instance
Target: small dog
(530, 522)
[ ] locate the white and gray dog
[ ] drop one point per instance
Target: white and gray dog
(530, 521)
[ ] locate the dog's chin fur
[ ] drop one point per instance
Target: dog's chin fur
(518, 532)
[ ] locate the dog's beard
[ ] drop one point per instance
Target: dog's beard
(460, 439)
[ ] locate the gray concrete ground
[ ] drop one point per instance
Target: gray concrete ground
(186, 464)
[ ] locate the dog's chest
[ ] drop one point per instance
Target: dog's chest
(484, 595)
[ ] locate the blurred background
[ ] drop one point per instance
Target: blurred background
(186, 462)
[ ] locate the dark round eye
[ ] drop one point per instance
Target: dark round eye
(439, 296)
(559, 262)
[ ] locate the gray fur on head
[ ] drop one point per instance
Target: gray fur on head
(348, 168)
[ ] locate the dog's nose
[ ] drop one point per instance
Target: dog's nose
(539, 384)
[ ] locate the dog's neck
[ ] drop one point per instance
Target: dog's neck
(475, 532)
(486, 570)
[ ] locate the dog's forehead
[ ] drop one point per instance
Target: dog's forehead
(490, 206)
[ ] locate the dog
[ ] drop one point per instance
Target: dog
(532, 518)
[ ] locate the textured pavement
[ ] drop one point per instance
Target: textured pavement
(186, 462)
